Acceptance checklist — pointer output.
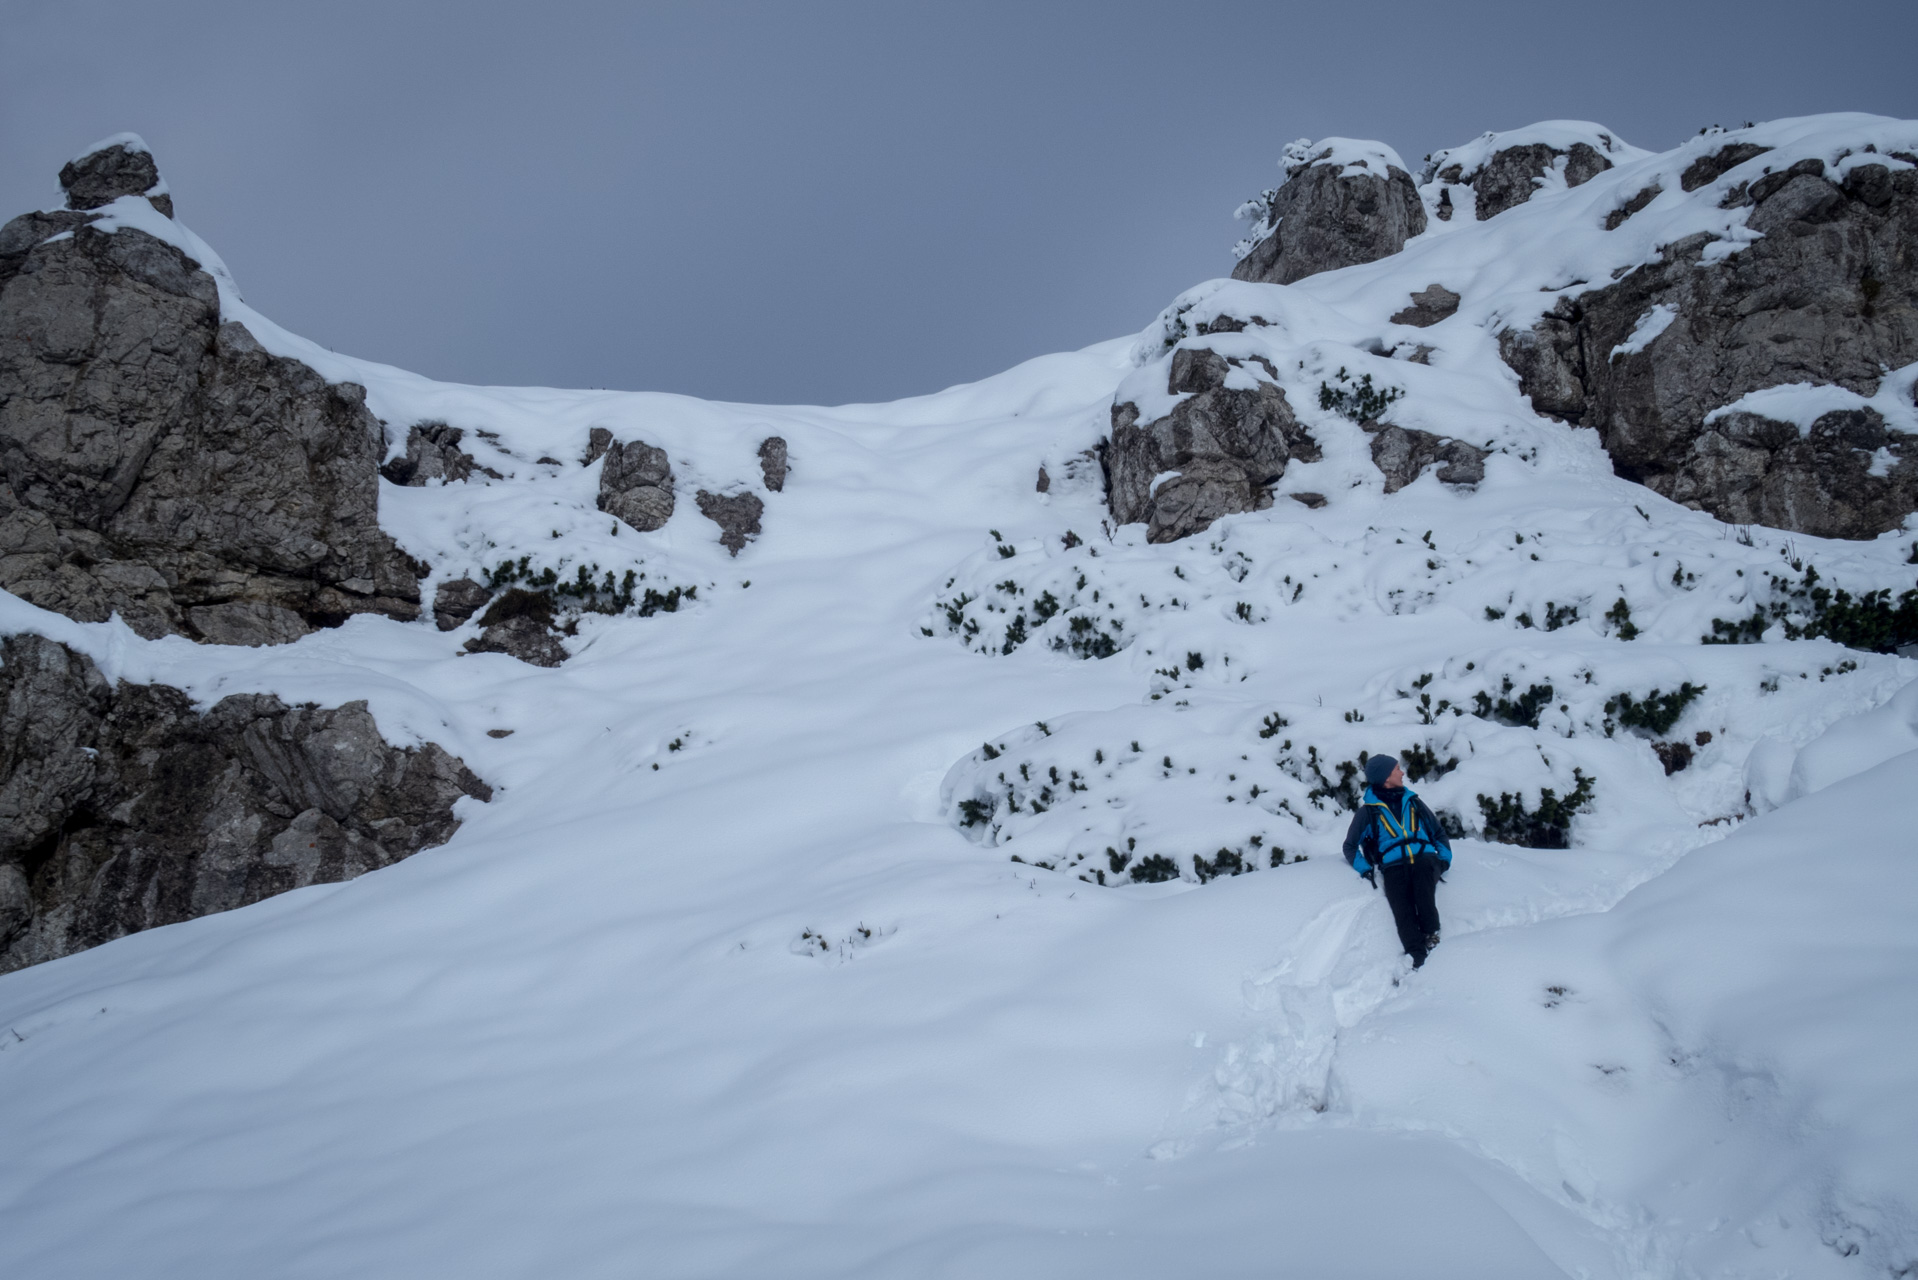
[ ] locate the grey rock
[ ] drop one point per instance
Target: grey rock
(103, 176)
(1429, 306)
(1510, 177)
(636, 485)
(1642, 197)
(772, 463)
(432, 453)
(456, 601)
(736, 515)
(1708, 169)
(122, 808)
(598, 441)
(1044, 484)
(1228, 446)
(1321, 220)
(157, 461)
(245, 622)
(1403, 454)
(1828, 296)
(520, 624)
(1313, 501)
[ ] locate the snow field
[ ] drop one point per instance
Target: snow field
(723, 982)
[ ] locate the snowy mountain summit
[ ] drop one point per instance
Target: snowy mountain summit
(904, 839)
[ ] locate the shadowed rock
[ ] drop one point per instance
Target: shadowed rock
(772, 463)
(737, 517)
(1829, 295)
(1429, 306)
(520, 624)
(1330, 215)
(122, 808)
(636, 485)
(1226, 445)
(432, 453)
(121, 168)
(456, 601)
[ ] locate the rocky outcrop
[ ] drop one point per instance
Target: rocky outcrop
(1227, 445)
(772, 463)
(432, 453)
(636, 485)
(120, 166)
(1332, 211)
(1828, 295)
(122, 808)
(162, 465)
(1402, 454)
(737, 516)
(1429, 306)
(1510, 177)
(598, 441)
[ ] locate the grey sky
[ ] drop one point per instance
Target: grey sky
(824, 202)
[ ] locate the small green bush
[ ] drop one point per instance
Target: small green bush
(1547, 827)
(1656, 712)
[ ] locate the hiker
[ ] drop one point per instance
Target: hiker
(1394, 836)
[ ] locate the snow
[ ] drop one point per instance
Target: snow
(1803, 403)
(1649, 326)
(1351, 155)
(130, 141)
(723, 981)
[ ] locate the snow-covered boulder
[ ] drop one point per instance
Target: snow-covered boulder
(1342, 202)
(1215, 452)
(1504, 170)
(122, 808)
(160, 463)
(111, 168)
(636, 484)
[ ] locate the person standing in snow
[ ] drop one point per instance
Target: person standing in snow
(1394, 836)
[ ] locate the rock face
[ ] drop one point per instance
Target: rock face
(636, 485)
(432, 453)
(736, 515)
(1403, 453)
(1328, 214)
(1228, 446)
(122, 808)
(121, 166)
(1829, 295)
(163, 465)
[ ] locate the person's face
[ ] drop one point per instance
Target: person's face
(1398, 776)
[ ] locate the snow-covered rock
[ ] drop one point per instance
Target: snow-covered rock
(1342, 202)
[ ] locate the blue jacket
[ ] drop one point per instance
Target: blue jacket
(1381, 835)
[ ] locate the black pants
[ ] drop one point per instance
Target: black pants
(1410, 887)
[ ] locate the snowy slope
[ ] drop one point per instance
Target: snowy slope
(729, 979)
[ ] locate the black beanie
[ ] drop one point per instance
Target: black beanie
(1378, 769)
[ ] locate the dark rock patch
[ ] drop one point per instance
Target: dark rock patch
(1311, 500)
(456, 601)
(520, 624)
(1708, 169)
(432, 453)
(1403, 453)
(1228, 446)
(1429, 306)
(1645, 195)
(122, 808)
(636, 485)
(598, 441)
(736, 515)
(772, 463)
(101, 177)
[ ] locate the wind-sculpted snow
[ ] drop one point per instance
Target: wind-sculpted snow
(950, 882)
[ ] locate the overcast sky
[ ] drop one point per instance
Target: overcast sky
(824, 203)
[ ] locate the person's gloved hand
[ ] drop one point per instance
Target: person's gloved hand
(1371, 875)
